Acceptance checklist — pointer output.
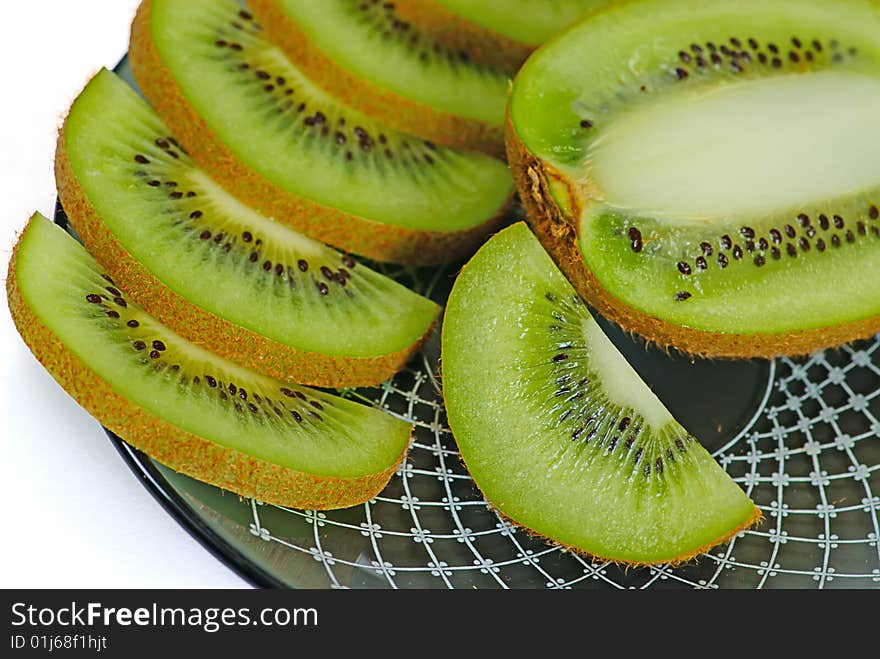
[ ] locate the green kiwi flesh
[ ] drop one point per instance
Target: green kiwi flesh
(232, 86)
(186, 407)
(526, 21)
(202, 244)
(709, 175)
(372, 42)
(557, 429)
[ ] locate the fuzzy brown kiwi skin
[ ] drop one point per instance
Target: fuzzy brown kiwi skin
(458, 34)
(442, 128)
(754, 519)
(557, 229)
(230, 341)
(352, 233)
(174, 447)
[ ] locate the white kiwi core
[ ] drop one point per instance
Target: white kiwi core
(620, 382)
(708, 153)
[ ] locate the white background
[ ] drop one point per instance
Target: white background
(75, 515)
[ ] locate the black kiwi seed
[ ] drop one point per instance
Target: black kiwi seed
(775, 253)
(303, 265)
(158, 345)
(138, 345)
(680, 73)
(133, 323)
(805, 244)
(726, 242)
(94, 298)
(791, 249)
(850, 237)
(763, 244)
(701, 263)
(722, 260)
(681, 296)
(635, 237)
(212, 382)
(811, 232)
(775, 236)
(803, 219)
(737, 252)
(820, 245)
(823, 222)
(760, 260)
(684, 268)
(322, 288)
(790, 231)
(874, 212)
(747, 232)
(561, 357)
(862, 228)
(707, 249)
(835, 240)
(586, 123)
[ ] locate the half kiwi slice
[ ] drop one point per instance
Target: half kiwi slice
(282, 145)
(501, 33)
(707, 174)
(188, 408)
(215, 271)
(557, 429)
(365, 53)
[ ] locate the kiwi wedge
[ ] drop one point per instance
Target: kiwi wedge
(269, 135)
(184, 406)
(499, 33)
(213, 270)
(707, 173)
(557, 429)
(365, 54)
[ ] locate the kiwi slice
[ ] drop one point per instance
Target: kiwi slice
(365, 53)
(707, 173)
(282, 145)
(557, 429)
(215, 271)
(188, 408)
(500, 33)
